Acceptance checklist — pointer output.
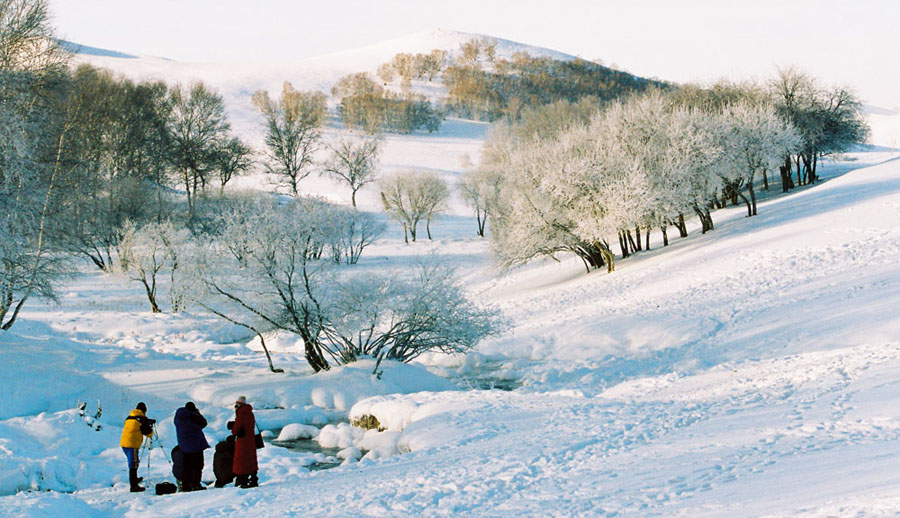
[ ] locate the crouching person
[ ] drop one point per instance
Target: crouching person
(189, 425)
(245, 467)
(178, 467)
(137, 426)
(223, 461)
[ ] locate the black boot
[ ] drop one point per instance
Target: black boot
(134, 480)
(254, 480)
(241, 481)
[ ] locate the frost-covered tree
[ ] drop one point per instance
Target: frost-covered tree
(34, 123)
(152, 250)
(293, 130)
(539, 212)
(828, 120)
(637, 164)
(354, 162)
(278, 284)
(411, 196)
(753, 140)
(26, 37)
(106, 158)
(481, 190)
(353, 232)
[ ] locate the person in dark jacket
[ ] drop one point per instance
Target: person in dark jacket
(189, 425)
(245, 467)
(137, 426)
(223, 461)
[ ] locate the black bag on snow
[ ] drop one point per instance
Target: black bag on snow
(165, 488)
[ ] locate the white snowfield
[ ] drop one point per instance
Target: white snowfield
(753, 371)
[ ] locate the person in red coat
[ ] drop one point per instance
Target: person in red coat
(243, 428)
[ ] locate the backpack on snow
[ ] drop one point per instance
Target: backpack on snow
(165, 488)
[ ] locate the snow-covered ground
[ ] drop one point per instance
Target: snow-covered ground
(752, 371)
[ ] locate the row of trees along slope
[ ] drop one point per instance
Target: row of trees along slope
(570, 177)
(479, 85)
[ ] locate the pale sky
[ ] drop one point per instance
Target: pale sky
(854, 43)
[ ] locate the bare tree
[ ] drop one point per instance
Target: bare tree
(198, 128)
(354, 162)
(293, 129)
(26, 38)
(234, 158)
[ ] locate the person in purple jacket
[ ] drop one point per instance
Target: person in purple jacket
(189, 425)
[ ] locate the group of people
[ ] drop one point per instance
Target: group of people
(234, 459)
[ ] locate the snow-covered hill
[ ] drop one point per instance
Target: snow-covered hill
(752, 371)
(311, 73)
(885, 124)
(237, 81)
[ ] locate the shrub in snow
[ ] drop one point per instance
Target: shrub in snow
(153, 249)
(266, 273)
(367, 422)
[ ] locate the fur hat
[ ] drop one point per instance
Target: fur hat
(142, 407)
(241, 400)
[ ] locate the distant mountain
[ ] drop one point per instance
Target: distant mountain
(76, 48)
(318, 73)
(880, 110)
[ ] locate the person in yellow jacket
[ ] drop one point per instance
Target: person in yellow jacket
(137, 426)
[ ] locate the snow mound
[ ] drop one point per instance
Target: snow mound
(297, 431)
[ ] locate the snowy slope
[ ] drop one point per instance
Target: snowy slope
(749, 372)
(885, 124)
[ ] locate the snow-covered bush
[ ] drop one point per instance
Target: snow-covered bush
(266, 273)
(353, 231)
(155, 248)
